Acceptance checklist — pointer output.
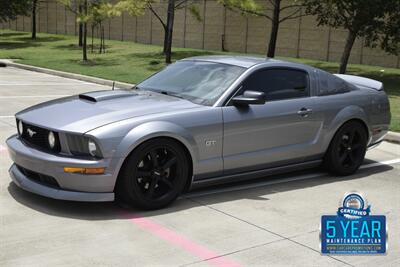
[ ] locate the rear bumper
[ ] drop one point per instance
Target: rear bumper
(71, 186)
(377, 136)
(372, 146)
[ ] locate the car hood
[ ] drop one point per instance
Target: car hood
(82, 113)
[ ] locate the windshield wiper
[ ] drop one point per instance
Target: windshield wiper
(162, 92)
(170, 94)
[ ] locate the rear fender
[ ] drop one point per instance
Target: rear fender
(345, 115)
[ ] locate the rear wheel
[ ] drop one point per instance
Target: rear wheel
(153, 175)
(347, 149)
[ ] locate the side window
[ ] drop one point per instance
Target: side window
(330, 84)
(278, 84)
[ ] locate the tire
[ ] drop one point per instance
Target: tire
(153, 175)
(347, 149)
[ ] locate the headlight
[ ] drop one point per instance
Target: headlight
(80, 145)
(52, 140)
(20, 128)
(92, 148)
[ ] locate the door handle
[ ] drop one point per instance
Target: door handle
(304, 112)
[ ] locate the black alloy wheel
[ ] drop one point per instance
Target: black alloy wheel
(154, 174)
(347, 149)
(350, 148)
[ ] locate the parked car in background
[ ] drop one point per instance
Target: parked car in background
(199, 122)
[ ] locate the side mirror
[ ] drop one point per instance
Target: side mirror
(249, 98)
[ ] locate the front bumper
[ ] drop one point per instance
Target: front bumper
(71, 186)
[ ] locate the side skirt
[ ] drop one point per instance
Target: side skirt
(254, 174)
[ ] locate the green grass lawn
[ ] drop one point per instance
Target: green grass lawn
(132, 62)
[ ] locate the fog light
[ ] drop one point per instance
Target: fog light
(52, 140)
(20, 127)
(92, 148)
(84, 170)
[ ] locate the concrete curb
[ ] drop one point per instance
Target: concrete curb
(393, 137)
(120, 85)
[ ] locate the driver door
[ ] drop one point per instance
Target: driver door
(279, 132)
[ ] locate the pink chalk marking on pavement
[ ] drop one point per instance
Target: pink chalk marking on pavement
(3, 149)
(182, 242)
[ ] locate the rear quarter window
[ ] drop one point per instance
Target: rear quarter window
(331, 85)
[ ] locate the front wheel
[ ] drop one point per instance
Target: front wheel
(347, 149)
(153, 175)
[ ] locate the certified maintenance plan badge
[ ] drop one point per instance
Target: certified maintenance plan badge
(353, 230)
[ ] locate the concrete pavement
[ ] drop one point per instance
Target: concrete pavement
(272, 221)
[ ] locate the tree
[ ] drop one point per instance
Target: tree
(81, 9)
(80, 26)
(390, 38)
(170, 27)
(99, 14)
(76, 7)
(361, 18)
(103, 9)
(95, 11)
(83, 19)
(292, 8)
(33, 18)
(168, 22)
(34, 9)
(10, 9)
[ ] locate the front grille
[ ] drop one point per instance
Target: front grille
(38, 137)
(39, 178)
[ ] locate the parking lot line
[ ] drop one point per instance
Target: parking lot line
(3, 149)
(45, 84)
(6, 116)
(376, 164)
(32, 96)
(180, 241)
(280, 181)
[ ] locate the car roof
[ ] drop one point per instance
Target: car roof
(241, 61)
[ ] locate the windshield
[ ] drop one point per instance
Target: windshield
(198, 81)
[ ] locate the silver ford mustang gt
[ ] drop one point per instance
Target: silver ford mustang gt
(200, 121)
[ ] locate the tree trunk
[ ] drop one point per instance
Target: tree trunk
(91, 49)
(351, 37)
(84, 48)
(170, 27)
(101, 38)
(80, 41)
(274, 29)
(34, 6)
(104, 42)
(165, 39)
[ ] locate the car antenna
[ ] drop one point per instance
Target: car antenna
(113, 85)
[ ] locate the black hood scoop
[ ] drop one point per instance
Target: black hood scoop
(99, 96)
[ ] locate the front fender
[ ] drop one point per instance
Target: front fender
(119, 139)
(149, 130)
